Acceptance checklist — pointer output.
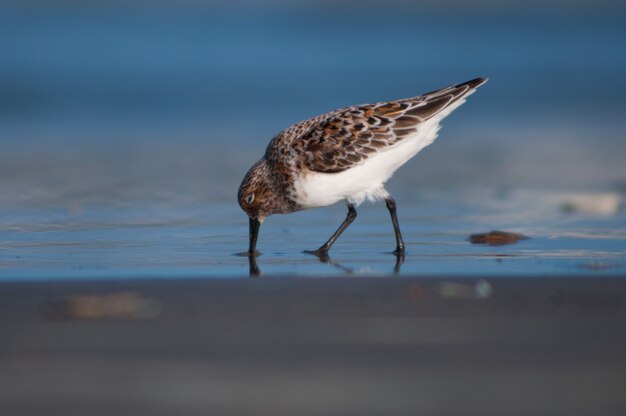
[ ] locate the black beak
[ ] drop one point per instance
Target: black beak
(255, 224)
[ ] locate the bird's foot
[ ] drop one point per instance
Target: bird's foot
(321, 253)
(324, 257)
(248, 254)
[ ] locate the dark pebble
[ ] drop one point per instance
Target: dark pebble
(496, 238)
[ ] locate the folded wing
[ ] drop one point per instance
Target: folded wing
(339, 140)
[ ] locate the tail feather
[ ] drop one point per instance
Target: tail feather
(433, 103)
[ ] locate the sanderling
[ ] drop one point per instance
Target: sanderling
(346, 154)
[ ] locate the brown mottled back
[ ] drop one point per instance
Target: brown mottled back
(340, 139)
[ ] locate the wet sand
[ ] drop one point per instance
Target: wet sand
(340, 346)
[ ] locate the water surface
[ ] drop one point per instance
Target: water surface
(195, 240)
(125, 132)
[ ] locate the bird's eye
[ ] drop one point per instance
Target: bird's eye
(250, 199)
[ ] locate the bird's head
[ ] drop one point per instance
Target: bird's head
(258, 199)
(255, 194)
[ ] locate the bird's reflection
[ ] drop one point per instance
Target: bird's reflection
(254, 267)
(399, 261)
(255, 271)
(325, 258)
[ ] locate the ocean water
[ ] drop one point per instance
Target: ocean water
(186, 239)
(125, 132)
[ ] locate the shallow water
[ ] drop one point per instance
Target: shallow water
(125, 134)
(192, 240)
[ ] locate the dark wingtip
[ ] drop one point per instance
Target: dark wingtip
(475, 83)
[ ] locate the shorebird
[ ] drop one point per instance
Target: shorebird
(346, 154)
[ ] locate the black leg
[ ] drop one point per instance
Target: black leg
(323, 250)
(391, 206)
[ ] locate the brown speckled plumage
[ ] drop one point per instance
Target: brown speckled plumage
(336, 142)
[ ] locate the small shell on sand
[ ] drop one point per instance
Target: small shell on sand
(496, 238)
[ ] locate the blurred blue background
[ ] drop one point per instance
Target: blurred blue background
(135, 104)
(135, 78)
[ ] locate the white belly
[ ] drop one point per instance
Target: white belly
(365, 180)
